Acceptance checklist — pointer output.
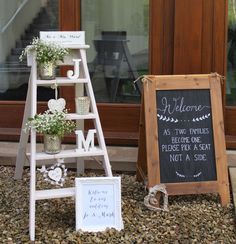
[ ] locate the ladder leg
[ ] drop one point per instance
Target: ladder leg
(32, 219)
(32, 186)
(33, 103)
(79, 91)
(97, 124)
(80, 166)
(24, 136)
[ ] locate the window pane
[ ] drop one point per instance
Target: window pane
(117, 32)
(20, 21)
(231, 55)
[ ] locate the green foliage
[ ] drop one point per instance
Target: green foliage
(51, 123)
(46, 52)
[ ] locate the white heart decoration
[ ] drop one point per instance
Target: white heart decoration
(55, 174)
(57, 104)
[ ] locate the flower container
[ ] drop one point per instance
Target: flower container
(47, 71)
(52, 144)
(82, 105)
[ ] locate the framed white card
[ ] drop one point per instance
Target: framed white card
(98, 203)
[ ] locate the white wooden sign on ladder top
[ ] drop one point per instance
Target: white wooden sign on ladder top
(79, 52)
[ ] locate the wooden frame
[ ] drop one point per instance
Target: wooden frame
(148, 164)
(98, 199)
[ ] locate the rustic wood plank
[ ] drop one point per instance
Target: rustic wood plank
(219, 36)
(188, 37)
(219, 140)
(141, 168)
(153, 164)
(207, 35)
(187, 82)
(156, 30)
(192, 188)
(168, 36)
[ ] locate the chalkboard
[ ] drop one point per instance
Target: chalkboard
(181, 136)
(186, 145)
(98, 203)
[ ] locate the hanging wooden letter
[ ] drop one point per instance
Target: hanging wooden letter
(82, 144)
(73, 75)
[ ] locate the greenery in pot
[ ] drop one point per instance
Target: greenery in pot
(46, 52)
(51, 123)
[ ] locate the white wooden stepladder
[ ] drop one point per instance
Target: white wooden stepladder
(78, 52)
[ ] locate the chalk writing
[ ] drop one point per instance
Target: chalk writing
(185, 136)
(176, 104)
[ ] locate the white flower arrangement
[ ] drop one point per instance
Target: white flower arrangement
(52, 123)
(46, 52)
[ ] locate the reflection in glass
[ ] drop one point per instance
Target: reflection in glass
(20, 21)
(231, 55)
(117, 32)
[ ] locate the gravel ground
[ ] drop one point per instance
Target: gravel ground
(191, 219)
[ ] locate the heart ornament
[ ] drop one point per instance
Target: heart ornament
(55, 174)
(57, 105)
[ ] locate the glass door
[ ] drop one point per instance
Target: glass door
(230, 109)
(231, 55)
(117, 32)
(20, 22)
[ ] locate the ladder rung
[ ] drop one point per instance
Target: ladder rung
(69, 154)
(54, 193)
(78, 116)
(61, 81)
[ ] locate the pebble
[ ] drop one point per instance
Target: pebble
(191, 219)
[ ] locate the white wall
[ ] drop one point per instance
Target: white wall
(13, 32)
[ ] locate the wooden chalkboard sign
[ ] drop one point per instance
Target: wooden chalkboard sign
(181, 140)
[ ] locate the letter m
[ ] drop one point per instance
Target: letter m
(83, 143)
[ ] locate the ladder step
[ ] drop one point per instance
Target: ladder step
(63, 81)
(55, 193)
(69, 154)
(74, 116)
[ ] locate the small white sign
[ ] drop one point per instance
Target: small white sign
(63, 37)
(98, 203)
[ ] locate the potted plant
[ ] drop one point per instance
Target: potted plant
(53, 125)
(47, 55)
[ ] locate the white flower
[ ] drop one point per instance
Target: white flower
(46, 52)
(53, 123)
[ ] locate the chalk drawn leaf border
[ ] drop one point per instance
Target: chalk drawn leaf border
(174, 120)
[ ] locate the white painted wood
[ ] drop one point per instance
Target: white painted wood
(55, 193)
(63, 37)
(79, 91)
(69, 154)
(85, 144)
(31, 110)
(97, 123)
(74, 116)
(33, 91)
(24, 136)
(73, 75)
(61, 81)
